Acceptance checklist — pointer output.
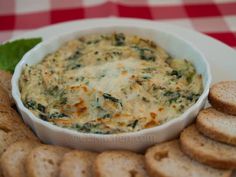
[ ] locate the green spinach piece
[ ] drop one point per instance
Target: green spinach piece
(43, 117)
(75, 55)
(76, 66)
(145, 53)
(31, 104)
(87, 127)
(133, 124)
(106, 116)
(119, 39)
(109, 97)
(176, 73)
(193, 96)
(41, 108)
(173, 96)
(57, 115)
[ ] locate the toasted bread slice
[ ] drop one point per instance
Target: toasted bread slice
(12, 128)
(217, 125)
(119, 163)
(5, 80)
(206, 150)
(222, 96)
(5, 98)
(10, 120)
(77, 163)
(44, 161)
(8, 138)
(13, 159)
(167, 160)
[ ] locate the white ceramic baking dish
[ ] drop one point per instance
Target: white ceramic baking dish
(136, 141)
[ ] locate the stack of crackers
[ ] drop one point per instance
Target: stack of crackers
(207, 148)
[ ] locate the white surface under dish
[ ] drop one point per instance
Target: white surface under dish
(135, 141)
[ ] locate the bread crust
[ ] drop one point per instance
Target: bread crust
(220, 103)
(196, 152)
(212, 132)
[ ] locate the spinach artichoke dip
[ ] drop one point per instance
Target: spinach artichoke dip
(108, 84)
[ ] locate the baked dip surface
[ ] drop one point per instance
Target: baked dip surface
(108, 84)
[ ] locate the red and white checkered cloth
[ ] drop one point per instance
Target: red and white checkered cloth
(216, 18)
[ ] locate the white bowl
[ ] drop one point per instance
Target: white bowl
(136, 141)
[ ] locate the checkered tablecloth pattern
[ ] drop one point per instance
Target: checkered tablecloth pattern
(216, 18)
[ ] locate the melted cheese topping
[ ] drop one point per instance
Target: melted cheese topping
(108, 84)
